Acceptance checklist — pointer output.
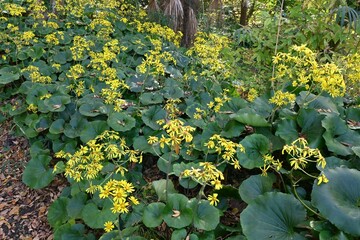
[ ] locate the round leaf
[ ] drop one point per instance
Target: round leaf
(37, 174)
(151, 98)
(93, 129)
(339, 199)
(57, 213)
(256, 145)
(206, 217)
(254, 186)
(152, 216)
(268, 218)
(95, 218)
(250, 117)
(121, 122)
(176, 213)
(92, 109)
(153, 114)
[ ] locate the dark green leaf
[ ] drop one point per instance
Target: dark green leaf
(255, 186)
(339, 199)
(273, 216)
(152, 216)
(121, 121)
(37, 173)
(57, 214)
(176, 213)
(256, 146)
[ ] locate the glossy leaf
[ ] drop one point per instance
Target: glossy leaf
(255, 186)
(339, 199)
(120, 121)
(152, 216)
(176, 213)
(256, 146)
(273, 216)
(250, 117)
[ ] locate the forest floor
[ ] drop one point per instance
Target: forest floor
(23, 211)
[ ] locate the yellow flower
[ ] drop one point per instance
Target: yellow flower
(322, 179)
(134, 200)
(153, 140)
(108, 226)
(213, 199)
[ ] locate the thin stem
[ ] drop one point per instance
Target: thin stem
(277, 41)
(303, 203)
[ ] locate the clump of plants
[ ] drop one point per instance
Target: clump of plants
(157, 143)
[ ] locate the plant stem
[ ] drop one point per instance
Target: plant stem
(277, 41)
(303, 203)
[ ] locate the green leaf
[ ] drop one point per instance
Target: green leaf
(255, 186)
(140, 143)
(37, 173)
(320, 103)
(57, 214)
(164, 162)
(256, 145)
(187, 182)
(93, 109)
(120, 121)
(232, 129)
(113, 235)
(176, 212)
(153, 114)
(75, 126)
(57, 126)
(206, 216)
(151, 98)
(250, 117)
(95, 217)
(273, 216)
(179, 234)
(92, 130)
(72, 232)
(152, 216)
(60, 167)
(339, 199)
(173, 92)
(338, 137)
(287, 130)
(311, 129)
(9, 74)
(160, 188)
(76, 204)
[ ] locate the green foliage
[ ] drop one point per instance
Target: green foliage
(158, 141)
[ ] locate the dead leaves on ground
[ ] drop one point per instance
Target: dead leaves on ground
(22, 210)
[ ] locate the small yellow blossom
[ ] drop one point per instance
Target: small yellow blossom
(108, 226)
(213, 199)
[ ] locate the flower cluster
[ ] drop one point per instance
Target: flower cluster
(35, 75)
(303, 69)
(88, 161)
(218, 102)
(351, 66)
(225, 148)
(118, 191)
(270, 162)
(14, 9)
(80, 46)
(53, 38)
(155, 29)
(206, 174)
(155, 60)
(301, 154)
(208, 47)
(281, 98)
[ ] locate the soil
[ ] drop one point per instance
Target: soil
(23, 211)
